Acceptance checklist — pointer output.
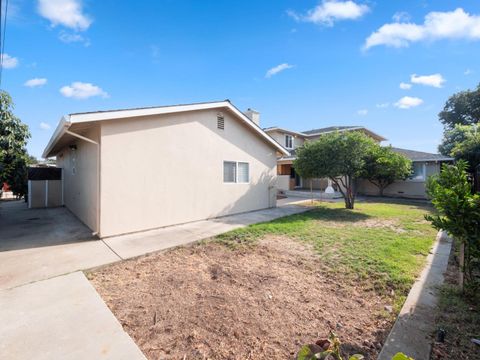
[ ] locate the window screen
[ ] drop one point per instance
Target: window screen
(229, 172)
(243, 172)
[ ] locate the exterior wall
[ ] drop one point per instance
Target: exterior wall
(80, 186)
(280, 138)
(408, 188)
(54, 193)
(168, 169)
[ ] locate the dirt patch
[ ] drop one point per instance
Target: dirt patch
(459, 317)
(264, 301)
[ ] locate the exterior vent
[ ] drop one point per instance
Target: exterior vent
(220, 122)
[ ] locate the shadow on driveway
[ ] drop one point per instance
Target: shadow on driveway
(23, 228)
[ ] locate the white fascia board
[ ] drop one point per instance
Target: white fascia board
(123, 114)
(66, 122)
(63, 125)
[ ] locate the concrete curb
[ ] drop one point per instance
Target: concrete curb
(411, 333)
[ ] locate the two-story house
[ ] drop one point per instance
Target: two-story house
(423, 165)
(287, 178)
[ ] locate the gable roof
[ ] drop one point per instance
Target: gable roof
(88, 117)
(330, 129)
(325, 130)
(421, 156)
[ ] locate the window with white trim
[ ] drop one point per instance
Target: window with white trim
(236, 172)
(243, 172)
(288, 141)
(418, 171)
(229, 172)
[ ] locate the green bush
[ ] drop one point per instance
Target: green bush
(458, 213)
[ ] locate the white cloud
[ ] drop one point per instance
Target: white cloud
(467, 72)
(401, 16)
(73, 38)
(330, 11)
(435, 80)
(408, 102)
(44, 126)
(35, 82)
(362, 112)
(64, 12)
(405, 86)
(383, 105)
(279, 68)
(9, 62)
(80, 90)
(456, 24)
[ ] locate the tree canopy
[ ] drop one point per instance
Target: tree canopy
(339, 156)
(13, 154)
(383, 166)
(462, 108)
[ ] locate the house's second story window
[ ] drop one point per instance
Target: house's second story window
(289, 141)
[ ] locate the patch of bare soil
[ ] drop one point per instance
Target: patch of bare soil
(460, 318)
(265, 301)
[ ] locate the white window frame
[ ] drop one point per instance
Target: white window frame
(236, 172)
(424, 174)
(287, 136)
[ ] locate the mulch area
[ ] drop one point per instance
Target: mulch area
(208, 301)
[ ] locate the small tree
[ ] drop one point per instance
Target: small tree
(459, 214)
(13, 139)
(383, 167)
(339, 156)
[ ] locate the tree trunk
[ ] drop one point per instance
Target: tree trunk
(381, 188)
(461, 260)
(311, 189)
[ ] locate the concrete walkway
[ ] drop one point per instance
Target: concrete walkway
(128, 246)
(411, 333)
(61, 318)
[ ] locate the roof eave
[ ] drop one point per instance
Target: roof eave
(63, 125)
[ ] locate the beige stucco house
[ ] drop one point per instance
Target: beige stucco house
(423, 165)
(137, 169)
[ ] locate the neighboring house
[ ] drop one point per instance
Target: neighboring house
(423, 165)
(137, 169)
(287, 178)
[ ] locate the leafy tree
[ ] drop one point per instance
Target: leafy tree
(458, 213)
(469, 148)
(452, 137)
(461, 108)
(383, 167)
(13, 155)
(339, 156)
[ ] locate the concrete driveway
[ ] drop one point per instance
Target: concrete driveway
(37, 244)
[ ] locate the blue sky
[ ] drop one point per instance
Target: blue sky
(330, 62)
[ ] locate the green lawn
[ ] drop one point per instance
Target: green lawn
(379, 245)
